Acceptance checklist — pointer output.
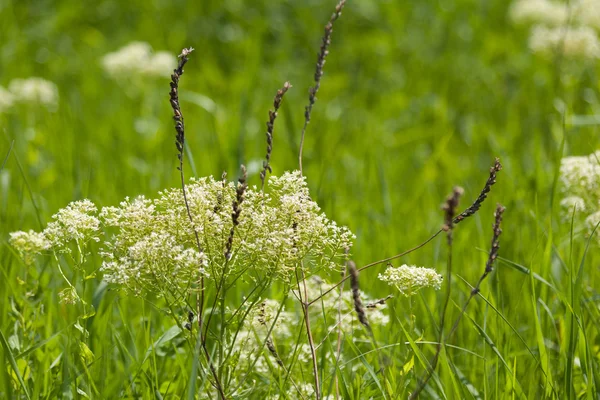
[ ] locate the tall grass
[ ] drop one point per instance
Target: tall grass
(417, 98)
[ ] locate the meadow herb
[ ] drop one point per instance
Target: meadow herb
(268, 261)
(149, 244)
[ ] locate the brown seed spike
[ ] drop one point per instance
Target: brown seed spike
(237, 210)
(270, 124)
(482, 195)
(174, 100)
(358, 306)
(321, 56)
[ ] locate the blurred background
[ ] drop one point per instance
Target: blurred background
(416, 97)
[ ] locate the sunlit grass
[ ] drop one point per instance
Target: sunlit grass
(416, 98)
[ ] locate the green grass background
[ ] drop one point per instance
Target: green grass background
(417, 97)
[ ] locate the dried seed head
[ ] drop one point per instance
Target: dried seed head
(270, 124)
(483, 194)
(495, 246)
(449, 208)
(237, 210)
(174, 100)
(358, 306)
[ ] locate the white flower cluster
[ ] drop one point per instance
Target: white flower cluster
(569, 28)
(76, 224)
(28, 244)
(408, 280)
(580, 187)
(150, 244)
(33, 90)
(137, 58)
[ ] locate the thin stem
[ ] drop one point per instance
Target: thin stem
(311, 342)
(179, 143)
(339, 337)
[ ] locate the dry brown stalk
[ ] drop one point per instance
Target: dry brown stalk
(237, 210)
(312, 92)
(449, 208)
(179, 143)
(270, 124)
(497, 167)
(358, 305)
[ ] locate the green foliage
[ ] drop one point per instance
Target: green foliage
(416, 97)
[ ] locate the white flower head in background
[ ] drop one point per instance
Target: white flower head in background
(580, 186)
(28, 244)
(588, 12)
(409, 279)
(7, 99)
(568, 28)
(539, 12)
(575, 42)
(34, 91)
(137, 58)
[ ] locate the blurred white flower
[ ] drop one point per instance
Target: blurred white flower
(137, 58)
(162, 63)
(587, 12)
(580, 175)
(409, 279)
(576, 42)
(6, 99)
(593, 221)
(34, 90)
(28, 244)
(539, 11)
(573, 203)
(580, 186)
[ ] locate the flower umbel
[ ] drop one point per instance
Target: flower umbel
(409, 279)
(150, 246)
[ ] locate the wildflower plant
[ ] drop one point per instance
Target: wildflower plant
(190, 245)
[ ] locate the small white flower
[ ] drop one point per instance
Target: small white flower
(28, 244)
(409, 279)
(573, 203)
(592, 222)
(68, 296)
